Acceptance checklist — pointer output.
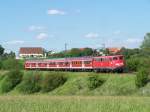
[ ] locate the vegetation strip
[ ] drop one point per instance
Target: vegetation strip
(44, 103)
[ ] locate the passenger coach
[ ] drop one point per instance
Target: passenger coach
(97, 64)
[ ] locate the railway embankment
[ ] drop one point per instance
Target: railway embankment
(71, 83)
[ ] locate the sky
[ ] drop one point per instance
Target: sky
(79, 23)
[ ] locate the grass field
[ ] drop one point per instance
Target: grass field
(117, 94)
(44, 103)
(76, 84)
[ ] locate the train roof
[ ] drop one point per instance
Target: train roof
(62, 59)
(71, 59)
(107, 56)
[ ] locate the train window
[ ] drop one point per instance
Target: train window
(110, 59)
(27, 64)
(60, 63)
(102, 59)
(115, 58)
(87, 62)
(98, 59)
(107, 59)
(52, 63)
(121, 57)
(66, 63)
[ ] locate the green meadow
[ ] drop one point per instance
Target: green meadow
(117, 93)
(44, 103)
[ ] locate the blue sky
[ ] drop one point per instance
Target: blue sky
(79, 23)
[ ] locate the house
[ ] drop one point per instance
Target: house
(114, 50)
(32, 52)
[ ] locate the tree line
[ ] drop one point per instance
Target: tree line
(8, 60)
(135, 58)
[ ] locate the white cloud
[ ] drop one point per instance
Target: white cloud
(56, 12)
(117, 32)
(92, 35)
(36, 28)
(14, 42)
(134, 40)
(42, 36)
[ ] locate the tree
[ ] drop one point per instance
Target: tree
(11, 63)
(75, 52)
(9, 55)
(128, 53)
(87, 52)
(1, 50)
(146, 42)
(141, 77)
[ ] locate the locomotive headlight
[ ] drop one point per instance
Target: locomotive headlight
(117, 64)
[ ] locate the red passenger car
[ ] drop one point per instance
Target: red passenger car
(100, 63)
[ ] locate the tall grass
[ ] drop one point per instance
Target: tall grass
(11, 80)
(30, 83)
(73, 104)
(77, 83)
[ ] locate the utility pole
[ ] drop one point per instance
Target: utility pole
(65, 55)
(66, 47)
(104, 49)
(103, 46)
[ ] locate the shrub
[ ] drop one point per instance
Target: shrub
(52, 81)
(94, 82)
(10, 81)
(0, 64)
(135, 63)
(30, 83)
(145, 63)
(11, 63)
(141, 77)
(132, 64)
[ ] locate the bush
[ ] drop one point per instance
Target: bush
(145, 63)
(135, 63)
(11, 63)
(52, 81)
(1, 64)
(94, 82)
(10, 81)
(30, 83)
(132, 64)
(141, 77)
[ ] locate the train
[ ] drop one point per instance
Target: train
(115, 63)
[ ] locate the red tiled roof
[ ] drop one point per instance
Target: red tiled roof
(114, 50)
(31, 50)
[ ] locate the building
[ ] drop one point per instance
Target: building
(114, 50)
(31, 52)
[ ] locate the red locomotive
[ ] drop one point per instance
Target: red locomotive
(97, 64)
